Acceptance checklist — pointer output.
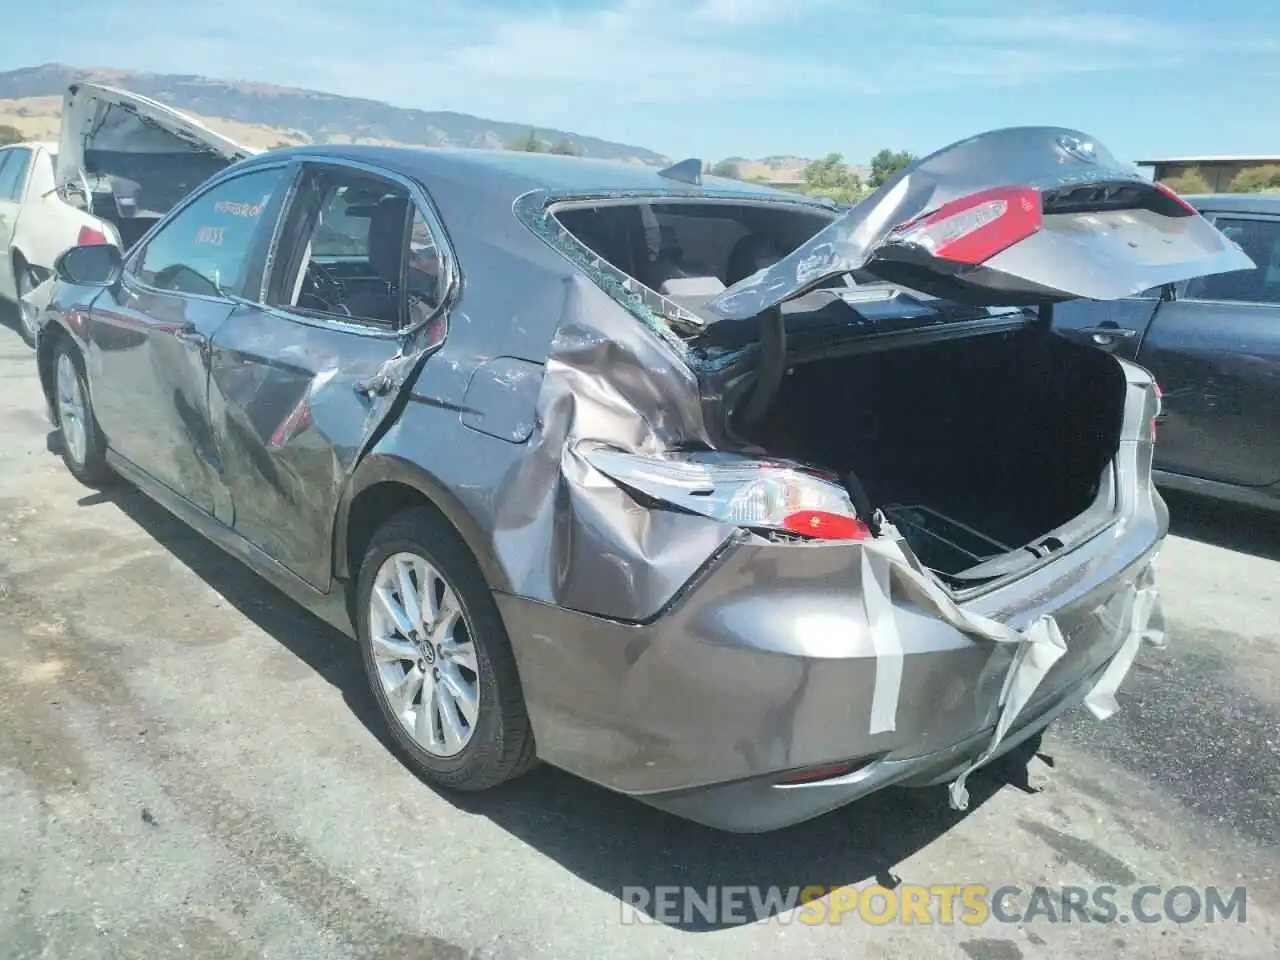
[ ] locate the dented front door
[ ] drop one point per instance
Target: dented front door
(148, 336)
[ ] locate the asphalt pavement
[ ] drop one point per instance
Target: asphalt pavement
(190, 766)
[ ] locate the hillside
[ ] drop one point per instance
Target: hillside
(38, 118)
(262, 115)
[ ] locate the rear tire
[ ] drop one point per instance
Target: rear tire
(84, 449)
(26, 280)
(440, 664)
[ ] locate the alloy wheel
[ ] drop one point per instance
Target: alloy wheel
(26, 312)
(422, 648)
(71, 408)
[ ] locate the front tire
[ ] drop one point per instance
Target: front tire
(84, 450)
(437, 656)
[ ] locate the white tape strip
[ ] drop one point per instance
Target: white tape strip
(1140, 608)
(1040, 646)
(882, 560)
(878, 605)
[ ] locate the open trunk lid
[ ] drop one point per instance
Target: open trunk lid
(148, 154)
(1014, 217)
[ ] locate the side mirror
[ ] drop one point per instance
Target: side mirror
(95, 265)
(1168, 292)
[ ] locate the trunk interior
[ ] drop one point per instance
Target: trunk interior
(135, 190)
(138, 170)
(973, 448)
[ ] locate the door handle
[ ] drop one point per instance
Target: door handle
(1106, 333)
(193, 337)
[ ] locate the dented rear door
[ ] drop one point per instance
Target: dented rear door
(298, 394)
(1022, 216)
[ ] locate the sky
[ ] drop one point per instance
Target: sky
(719, 78)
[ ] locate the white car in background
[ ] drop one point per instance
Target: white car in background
(122, 160)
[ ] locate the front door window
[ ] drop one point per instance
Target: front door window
(206, 249)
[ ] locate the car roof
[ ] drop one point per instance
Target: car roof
(513, 173)
(1268, 203)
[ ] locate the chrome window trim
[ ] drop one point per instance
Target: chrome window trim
(422, 203)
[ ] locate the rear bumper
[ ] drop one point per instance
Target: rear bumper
(767, 664)
(761, 804)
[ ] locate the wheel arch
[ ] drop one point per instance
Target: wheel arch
(383, 485)
(46, 349)
(17, 259)
(18, 255)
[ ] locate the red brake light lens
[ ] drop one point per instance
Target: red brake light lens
(975, 228)
(1172, 195)
(825, 526)
(753, 494)
(90, 236)
(813, 774)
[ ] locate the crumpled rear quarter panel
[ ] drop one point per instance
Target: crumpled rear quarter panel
(660, 651)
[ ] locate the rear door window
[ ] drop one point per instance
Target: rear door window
(207, 248)
(356, 247)
(1260, 239)
(13, 173)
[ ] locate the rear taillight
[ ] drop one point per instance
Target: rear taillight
(91, 236)
(1155, 417)
(825, 526)
(1172, 195)
(750, 493)
(975, 228)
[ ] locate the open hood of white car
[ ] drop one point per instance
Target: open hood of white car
(115, 133)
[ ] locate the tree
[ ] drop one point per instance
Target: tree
(725, 168)
(831, 177)
(10, 135)
(564, 147)
(1257, 180)
(1189, 181)
(830, 171)
(527, 143)
(886, 163)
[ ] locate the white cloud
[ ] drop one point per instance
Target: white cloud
(698, 59)
(642, 51)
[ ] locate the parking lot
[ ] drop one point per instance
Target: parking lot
(190, 765)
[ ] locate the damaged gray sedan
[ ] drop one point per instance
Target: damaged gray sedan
(711, 494)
